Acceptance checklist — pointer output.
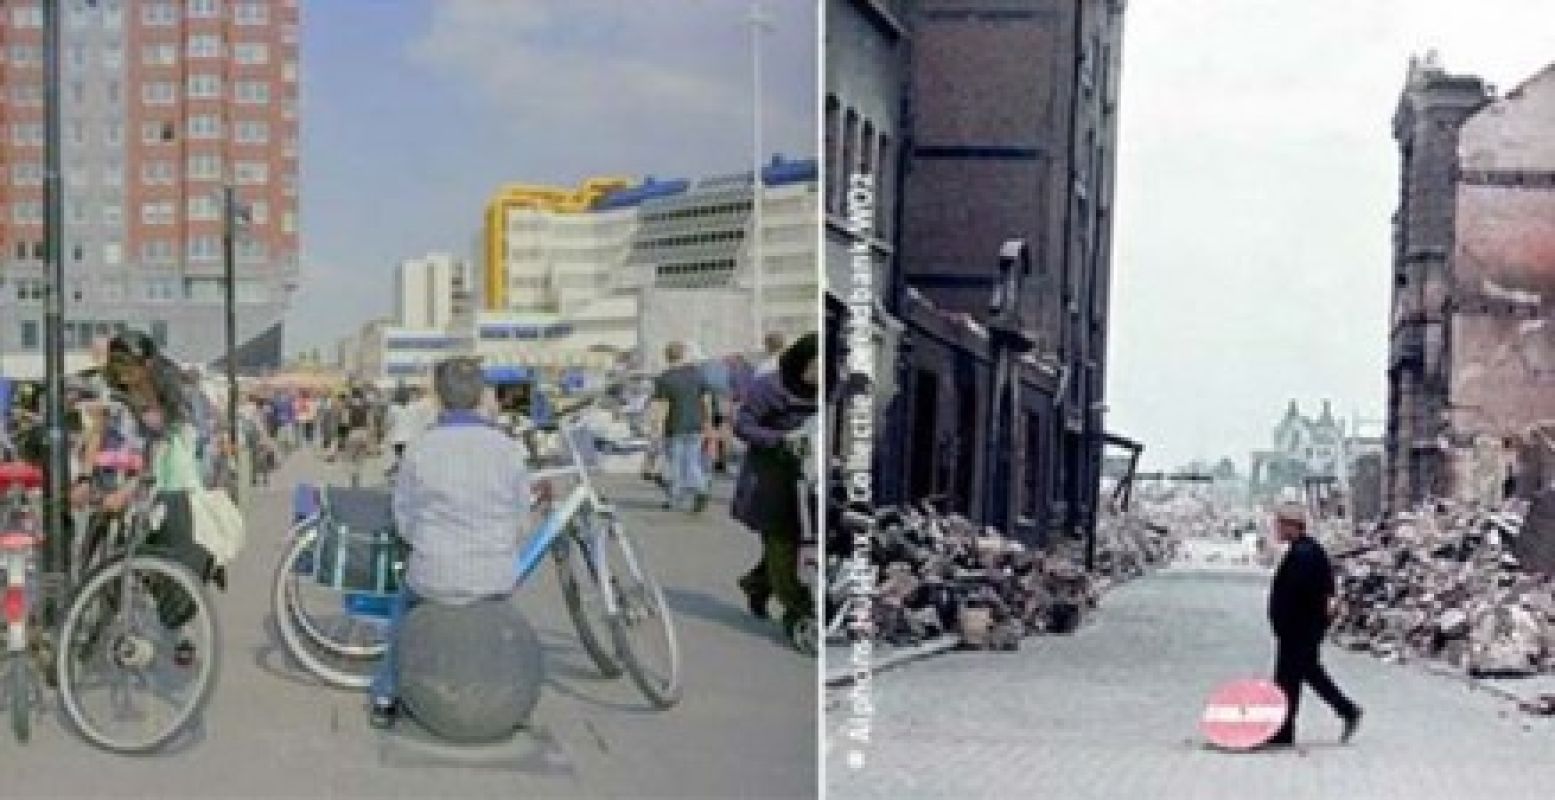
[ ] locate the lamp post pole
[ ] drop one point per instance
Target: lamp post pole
(54, 549)
(229, 264)
(760, 24)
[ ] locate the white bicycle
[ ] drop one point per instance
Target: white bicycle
(335, 627)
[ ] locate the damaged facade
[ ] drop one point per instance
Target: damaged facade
(999, 127)
(1471, 375)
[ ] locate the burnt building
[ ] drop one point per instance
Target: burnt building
(1471, 374)
(996, 248)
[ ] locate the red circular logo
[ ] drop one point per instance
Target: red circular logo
(1243, 714)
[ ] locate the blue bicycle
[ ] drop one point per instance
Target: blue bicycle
(335, 584)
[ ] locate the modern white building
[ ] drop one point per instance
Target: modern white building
(425, 291)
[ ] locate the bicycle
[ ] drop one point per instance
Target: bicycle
(135, 619)
(604, 581)
(21, 487)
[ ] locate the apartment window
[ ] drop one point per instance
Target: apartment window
(251, 249)
(26, 54)
(159, 55)
(76, 55)
(259, 212)
(289, 222)
(289, 72)
(27, 174)
(205, 45)
(112, 92)
(251, 292)
(113, 213)
(113, 56)
(113, 253)
(251, 173)
(253, 132)
(80, 214)
(250, 13)
(204, 209)
(157, 213)
(27, 94)
(205, 86)
(204, 9)
(77, 252)
(205, 167)
(251, 53)
(205, 126)
(205, 248)
(158, 172)
(78, 91)
(77, 132)
(27, 16)
(159, 14)
(156, 252)
(158, 93)
(29, 334)
(76, 175)
(113, 14)
(26, 212)
(252, 92)
(113, 174)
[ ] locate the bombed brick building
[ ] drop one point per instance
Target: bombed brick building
(1471, 378)
(997, 248)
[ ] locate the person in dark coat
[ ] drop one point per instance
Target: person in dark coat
(1302, 603)
(771, 420)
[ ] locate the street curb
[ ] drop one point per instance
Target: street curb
(846, 676)
(1476, 684)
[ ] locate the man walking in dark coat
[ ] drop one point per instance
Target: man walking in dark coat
(1301, 605)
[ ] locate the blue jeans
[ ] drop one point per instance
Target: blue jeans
(386, 681)
(687, 474)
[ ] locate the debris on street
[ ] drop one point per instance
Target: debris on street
(1443, 582)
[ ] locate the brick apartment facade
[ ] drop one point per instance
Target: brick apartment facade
(163, 103)
(1000, 127)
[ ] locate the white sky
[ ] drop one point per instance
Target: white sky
(1256, 179)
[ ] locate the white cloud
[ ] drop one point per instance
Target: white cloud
(638, 86)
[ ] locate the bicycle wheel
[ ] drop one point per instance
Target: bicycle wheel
(139, 653)
(337, 646)
(21, 697)
(641, 626)
(585, 601)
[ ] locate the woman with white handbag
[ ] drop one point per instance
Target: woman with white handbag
(201, 527)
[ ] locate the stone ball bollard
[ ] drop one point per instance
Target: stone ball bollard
(470, 674)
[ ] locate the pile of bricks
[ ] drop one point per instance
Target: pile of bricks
(1443, 583)
(938, 574)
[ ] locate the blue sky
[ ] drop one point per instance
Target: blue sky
(414, 111)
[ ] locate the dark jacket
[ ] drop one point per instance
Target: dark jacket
(1298, 596)
(766, 495)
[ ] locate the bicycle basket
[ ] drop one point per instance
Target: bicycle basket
(357, 549)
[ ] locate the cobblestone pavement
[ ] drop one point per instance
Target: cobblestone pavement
(1112, 712)
(747, 725)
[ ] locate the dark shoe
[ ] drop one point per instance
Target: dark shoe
(1352, 723)
(669, 505)
(756, 601)
(382, 714)
(700, 504)
(183, 654)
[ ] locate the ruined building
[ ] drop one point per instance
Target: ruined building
(1471, 372)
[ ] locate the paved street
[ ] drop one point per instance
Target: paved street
(745, 728)
(1112, 712)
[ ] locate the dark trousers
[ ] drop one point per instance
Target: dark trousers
(1296, 663)
(777, 575)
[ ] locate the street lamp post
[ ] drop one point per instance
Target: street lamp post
(54, 549)
(230, 214)
(760, 23)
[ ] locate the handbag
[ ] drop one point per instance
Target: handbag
(218, 524)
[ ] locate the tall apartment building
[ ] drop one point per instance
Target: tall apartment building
(162, 104)
(991, 134)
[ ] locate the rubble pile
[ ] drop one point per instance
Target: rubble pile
(940, 574)
(1443, 583)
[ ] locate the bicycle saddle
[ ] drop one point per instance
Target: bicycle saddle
(20, 475)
